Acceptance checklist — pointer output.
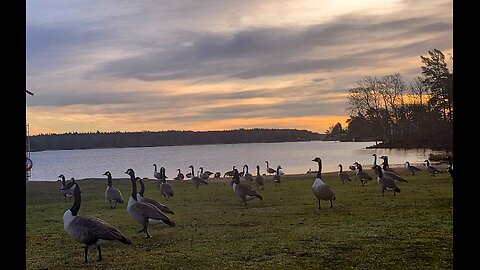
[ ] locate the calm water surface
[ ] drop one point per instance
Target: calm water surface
(294, 157)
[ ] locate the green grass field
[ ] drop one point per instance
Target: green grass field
(214, 230)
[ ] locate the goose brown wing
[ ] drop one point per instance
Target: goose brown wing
(247, 190)
(93, 228)
(159, 205)
(150, 211)
(167, 189)
(115, 194)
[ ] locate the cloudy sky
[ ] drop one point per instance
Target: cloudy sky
(215, 65)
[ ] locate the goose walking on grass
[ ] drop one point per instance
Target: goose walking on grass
(343, 176)
(385, 182)
(270, 170)
(179, 176)
(277, 178)
(165, 188)
(112, 194)
(67, 193)
(246, 193)
(432, 170)
(195, 179)
(411, 168)
(156, 174)
(386, 166)
(259, 179)
(86, 229)
(143, 212)
(321, 190)
(248, 176)
(362, 175)
(141, 198)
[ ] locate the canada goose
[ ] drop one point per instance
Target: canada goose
(411, 168)
(195, 179)
(430, 169)
(385, 182)
(188, 175)
(156, 174)
(179, 176)
(386, 166)
(277, 178)
(86, 229)
(229, 173)
(165, 188)
(344, 176)
(320, 189)
(362, 175)
(374, 160)
(387, 171)
(142, 212)
(142, 198)
(204, 175)
(67, 193)
(270, 170)
(112, 194)
(246, 193)
(247, 175)
(450, 166)
(217, 175)
(259, 179)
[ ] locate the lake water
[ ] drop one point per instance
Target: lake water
(294, 157)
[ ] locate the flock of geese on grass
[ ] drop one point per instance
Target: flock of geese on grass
(146, 211)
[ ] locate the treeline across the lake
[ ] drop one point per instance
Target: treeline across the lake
(417, 114)
(75, 140)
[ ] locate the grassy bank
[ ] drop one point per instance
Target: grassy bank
(413, 230)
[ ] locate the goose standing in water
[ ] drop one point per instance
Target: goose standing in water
(362, 175)
(179, 176)
(67, 193)
(142, 212)
(259, 179)
(112, 194)
(411, 168)
(165, 188)
(432, 170)
(156, 174)
(277, 178)
(246, 193)
(195, 179)
(344, 176)
(86, 229)
(141, 198)
(320, 189)
(385, 182)
(270, 170)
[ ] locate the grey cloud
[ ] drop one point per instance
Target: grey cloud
(268, 51)
(87, 98)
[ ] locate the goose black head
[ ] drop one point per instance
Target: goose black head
(61, 176)
(317, 159)
(131, 173)
(107, 173)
